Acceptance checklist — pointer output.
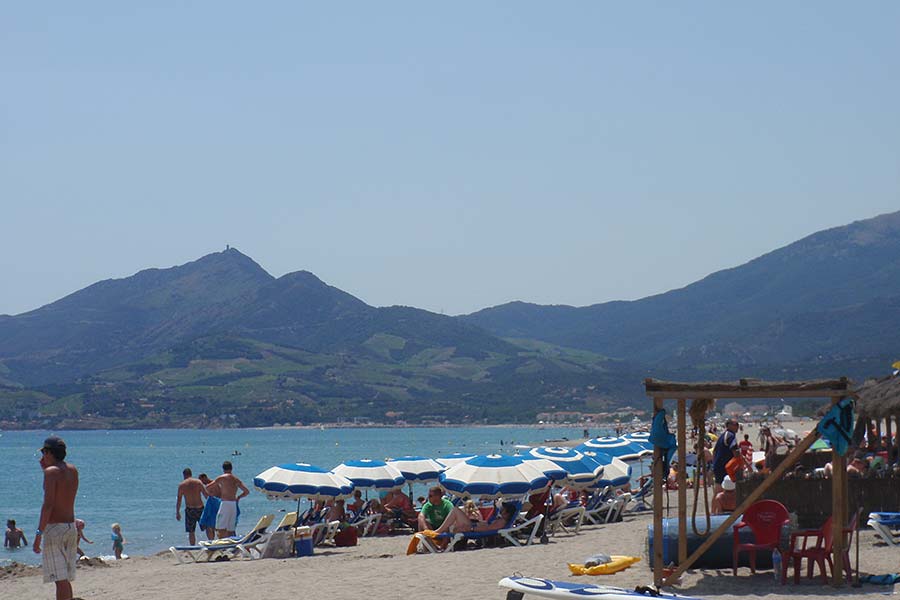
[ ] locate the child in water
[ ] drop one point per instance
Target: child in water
(79, 527)
(117, 540)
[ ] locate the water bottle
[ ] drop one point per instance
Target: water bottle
(776, 564)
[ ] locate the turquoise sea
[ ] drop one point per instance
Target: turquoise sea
(131, 477)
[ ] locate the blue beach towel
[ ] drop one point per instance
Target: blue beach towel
(889, 579)
(837, 426)
(663, 438)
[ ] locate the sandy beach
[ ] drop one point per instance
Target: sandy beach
(378, 569)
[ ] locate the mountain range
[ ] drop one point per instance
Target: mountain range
(221, 342)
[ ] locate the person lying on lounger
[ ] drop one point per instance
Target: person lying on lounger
(458, 521)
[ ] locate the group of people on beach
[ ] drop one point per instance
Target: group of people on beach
(218, 515)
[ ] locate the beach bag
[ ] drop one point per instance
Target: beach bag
(346, 537)
(733, 467)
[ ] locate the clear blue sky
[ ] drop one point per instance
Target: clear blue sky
(447, 156)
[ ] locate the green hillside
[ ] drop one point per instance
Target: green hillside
(223, 381)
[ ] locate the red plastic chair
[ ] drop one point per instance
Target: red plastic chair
(816, 547)
(765, 519)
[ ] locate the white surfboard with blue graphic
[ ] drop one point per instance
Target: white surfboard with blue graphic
(547, 588)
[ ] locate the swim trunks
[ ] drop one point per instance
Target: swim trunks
(191, 517)
(59, 550)
(227, 517)
(208, 519)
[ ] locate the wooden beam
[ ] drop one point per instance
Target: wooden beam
(712, 394)
(897, 423)
(838, 512)
(682, 481)
(658, 489)
(825, 388)
(786, 464)
(889, 434)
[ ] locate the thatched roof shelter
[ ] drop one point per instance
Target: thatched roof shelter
(879, 399)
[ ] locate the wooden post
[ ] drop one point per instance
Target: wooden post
(838, 511)
(774, 476)
(897, 429)
(890, 440)
(658, 490)
(682, 481)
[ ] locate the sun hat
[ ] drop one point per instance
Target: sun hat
(727, 484)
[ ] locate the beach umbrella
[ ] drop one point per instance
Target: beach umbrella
(580, 470)
(553, 471)
(820, 445)
(417, 468)
(641, 438)
(295, 481)
(455, 458)
(616, 472)
(371, 474)
(302, 480)
(613, 446)
(787, 434)
(493, 476)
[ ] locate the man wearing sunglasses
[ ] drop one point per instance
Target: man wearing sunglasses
(56, 530)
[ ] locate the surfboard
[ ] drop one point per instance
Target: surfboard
(547, 588)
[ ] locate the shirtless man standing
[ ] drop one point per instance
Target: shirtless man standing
(15, 537)
(225, 486)
(192, 491)
(56, 527)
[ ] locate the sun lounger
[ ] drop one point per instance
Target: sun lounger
(573, 513)
(605, 506)
(522, 534)
(366, 524)
(226, 548)
(640, 496)
(323, 532)
(886, 525)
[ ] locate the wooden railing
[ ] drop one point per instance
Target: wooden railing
(811, 498)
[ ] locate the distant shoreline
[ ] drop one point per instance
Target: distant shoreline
(336, 426)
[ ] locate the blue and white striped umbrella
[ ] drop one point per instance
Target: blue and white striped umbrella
(417, 468)
(494, 476)
(614, 447)
(300, 480)
(616, 472)
(642, 438)
(581, 470)
(455, 458)
(371, 474)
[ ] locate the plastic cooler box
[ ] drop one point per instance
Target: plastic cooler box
(717, 556)
(303, 542)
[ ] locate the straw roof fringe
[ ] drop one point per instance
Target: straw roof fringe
(878, 399)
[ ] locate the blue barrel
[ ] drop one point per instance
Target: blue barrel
(717, 556)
